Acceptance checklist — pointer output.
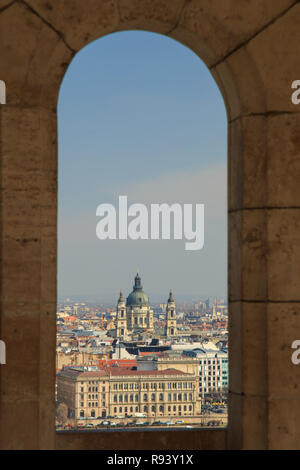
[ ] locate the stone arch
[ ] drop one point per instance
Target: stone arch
(253, 71)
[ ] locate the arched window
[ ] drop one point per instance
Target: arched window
(115, 127)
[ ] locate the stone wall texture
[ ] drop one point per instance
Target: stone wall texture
(251, 49)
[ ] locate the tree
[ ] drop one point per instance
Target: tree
(62, 413)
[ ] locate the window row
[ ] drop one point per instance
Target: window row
(153, 397)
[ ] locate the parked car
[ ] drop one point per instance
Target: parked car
(179, 421)
(169, 423)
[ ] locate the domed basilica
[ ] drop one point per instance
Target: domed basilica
(136, 315)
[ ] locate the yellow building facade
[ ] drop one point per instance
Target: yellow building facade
(122, 393)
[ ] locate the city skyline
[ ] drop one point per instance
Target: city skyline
(136, 139)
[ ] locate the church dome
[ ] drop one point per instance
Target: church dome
(137, 298)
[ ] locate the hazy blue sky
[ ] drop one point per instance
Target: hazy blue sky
(139, 114)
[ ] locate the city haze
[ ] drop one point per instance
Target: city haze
(152, 125)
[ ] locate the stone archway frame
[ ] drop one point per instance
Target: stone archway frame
(248, 47)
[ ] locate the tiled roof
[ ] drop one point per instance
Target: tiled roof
(121, 372)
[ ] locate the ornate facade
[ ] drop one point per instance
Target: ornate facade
(120, 393)
(136, 315)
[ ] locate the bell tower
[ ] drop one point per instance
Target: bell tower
(121, 317)
(171, 326)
